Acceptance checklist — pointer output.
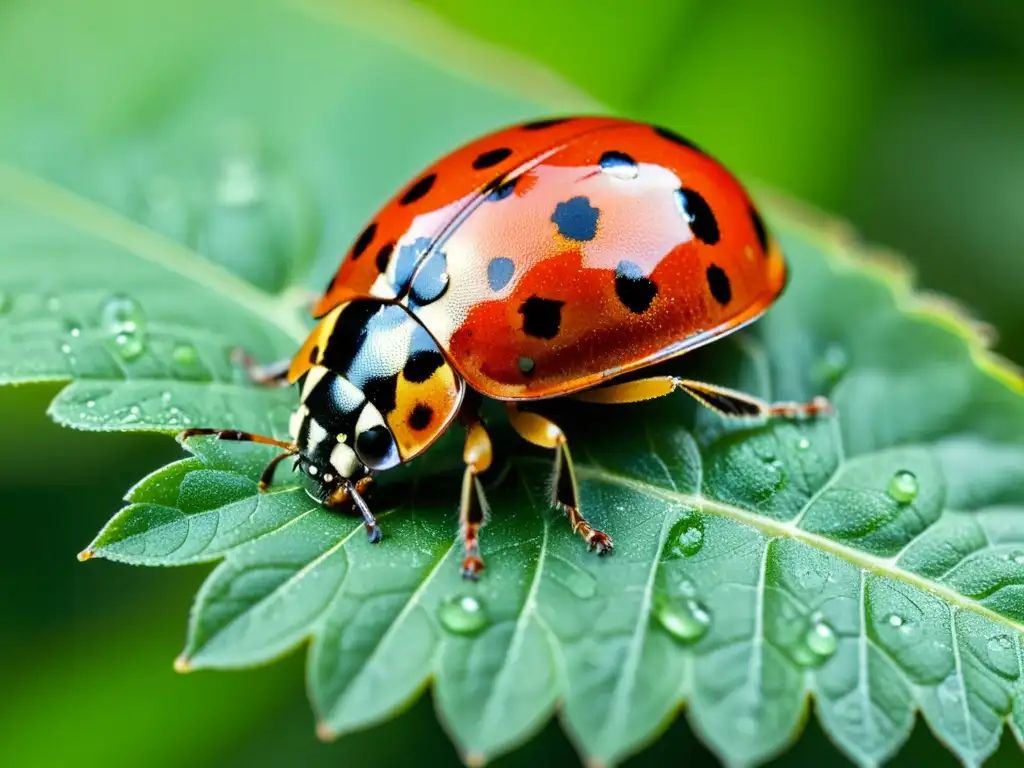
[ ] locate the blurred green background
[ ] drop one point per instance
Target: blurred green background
(905, 118)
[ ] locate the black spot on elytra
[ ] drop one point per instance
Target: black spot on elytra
(364, 240)
(382, 392)
(419, 189)
(759, 229)
(540, 125)
(619, 164)
(421, 365)
(421, 416)
(374, 444)
(431, 279)
(384, 256)
(698, 214)
(634, 289)
(675, 138)
(499, 189)
(499, 271)
(576, 219)
(491, 157)
(541, 317)
(348, 335)
(718, 282)
(408, 257)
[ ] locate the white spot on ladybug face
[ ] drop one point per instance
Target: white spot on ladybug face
(328, 477)
(316, 435)
(313, 377)
(344, 460)
(312, 470)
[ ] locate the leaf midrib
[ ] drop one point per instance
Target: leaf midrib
(28, 190)
(776, 528)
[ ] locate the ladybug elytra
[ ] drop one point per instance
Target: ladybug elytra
(544, 260)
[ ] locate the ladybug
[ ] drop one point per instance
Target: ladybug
(544, 260)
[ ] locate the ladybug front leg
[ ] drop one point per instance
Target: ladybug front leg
(477, 454)
(543, 432)
(727, 402)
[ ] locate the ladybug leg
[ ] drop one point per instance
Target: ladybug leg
(477, 454)
(272, 375)
(350, 494)
(247, 437)
(727, 402)
(543, 432)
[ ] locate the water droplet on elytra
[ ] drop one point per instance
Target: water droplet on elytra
(463, 615)
(687, 620)
(185, 354)
(686, 538)
(903, 487)
(124, 323)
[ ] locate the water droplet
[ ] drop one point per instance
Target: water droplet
(804, 444)
(687, 588)
(898, 622)
(821, 639)
(124, 323)
(90, 404)
(165, 397)
(833, 364)
(185, 355)
(1016, 557)
(687, 536)
(135, 410)
(239, 184)
(463, 615)
(75, 331)
(65, 348)
(687, 621)
(903, 487)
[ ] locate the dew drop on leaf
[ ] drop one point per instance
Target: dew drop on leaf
(894, 620)
(65, 348)
(90, 404)
(463, 615)
(124, 325)
(687, 536)
(821, 639)
(687, 621)
(185, 355)
(903, 487)
(239, 184)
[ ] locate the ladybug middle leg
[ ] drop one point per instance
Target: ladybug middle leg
(543, 432)
(727, 402)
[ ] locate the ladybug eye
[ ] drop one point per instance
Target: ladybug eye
(376, 448)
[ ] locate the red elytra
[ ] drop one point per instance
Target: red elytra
(543, 260)
(575, 251)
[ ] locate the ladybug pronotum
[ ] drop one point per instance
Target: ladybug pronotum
(544, 260)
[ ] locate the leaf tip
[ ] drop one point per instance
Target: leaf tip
(86, 554)
(182, 664)
(324, 732)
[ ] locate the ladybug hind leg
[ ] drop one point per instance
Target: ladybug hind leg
(270, 375)
(543, 432)
(727, 402)
(477, 454)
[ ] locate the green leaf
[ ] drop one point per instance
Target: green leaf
(756, 566)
